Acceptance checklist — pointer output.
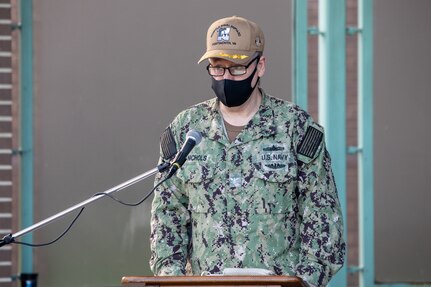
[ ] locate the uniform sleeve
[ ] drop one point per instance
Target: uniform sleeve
(170, 223)
(321, 231)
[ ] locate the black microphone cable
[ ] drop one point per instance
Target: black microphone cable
(193, 138)
(12, 240)
(136, 203)
(55, 240)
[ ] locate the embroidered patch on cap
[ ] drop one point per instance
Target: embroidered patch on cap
(223, 34)
(311, 142)
(168, 144)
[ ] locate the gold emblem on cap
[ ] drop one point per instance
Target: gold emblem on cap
(233, 56)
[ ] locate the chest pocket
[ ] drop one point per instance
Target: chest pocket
(275, 181)
(195, 172)
(199, 178)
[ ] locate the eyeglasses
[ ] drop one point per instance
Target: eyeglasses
(234, 70)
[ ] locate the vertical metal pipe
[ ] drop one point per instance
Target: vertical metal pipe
(365, 138)
(332, 97)
(300, 49)
(26, 86)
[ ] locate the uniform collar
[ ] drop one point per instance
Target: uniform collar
(261, 125)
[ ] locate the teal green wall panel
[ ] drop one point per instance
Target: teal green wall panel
(300, 54)
(365, 139)
(332, 98)
(26, 87)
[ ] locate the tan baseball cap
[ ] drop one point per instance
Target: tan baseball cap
(235, 39)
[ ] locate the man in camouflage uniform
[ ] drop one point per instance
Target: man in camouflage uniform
(258, 191)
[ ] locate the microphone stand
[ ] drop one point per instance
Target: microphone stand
(11, 237)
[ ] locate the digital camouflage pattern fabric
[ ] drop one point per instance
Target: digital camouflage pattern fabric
(255, 202)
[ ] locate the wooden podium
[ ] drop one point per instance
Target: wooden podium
(219, 281)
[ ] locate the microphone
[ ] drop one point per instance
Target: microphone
(192, 138)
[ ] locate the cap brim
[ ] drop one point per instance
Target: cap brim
(238, 57)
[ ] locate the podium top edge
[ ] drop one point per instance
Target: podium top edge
(283, 281)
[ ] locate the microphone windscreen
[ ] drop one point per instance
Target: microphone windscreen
(195, 135)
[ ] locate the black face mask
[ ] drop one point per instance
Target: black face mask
(234, 93)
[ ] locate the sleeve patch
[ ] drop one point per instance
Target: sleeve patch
(311, 142)
(168, 144)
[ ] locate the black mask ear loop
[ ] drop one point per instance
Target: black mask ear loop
(258, 78)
